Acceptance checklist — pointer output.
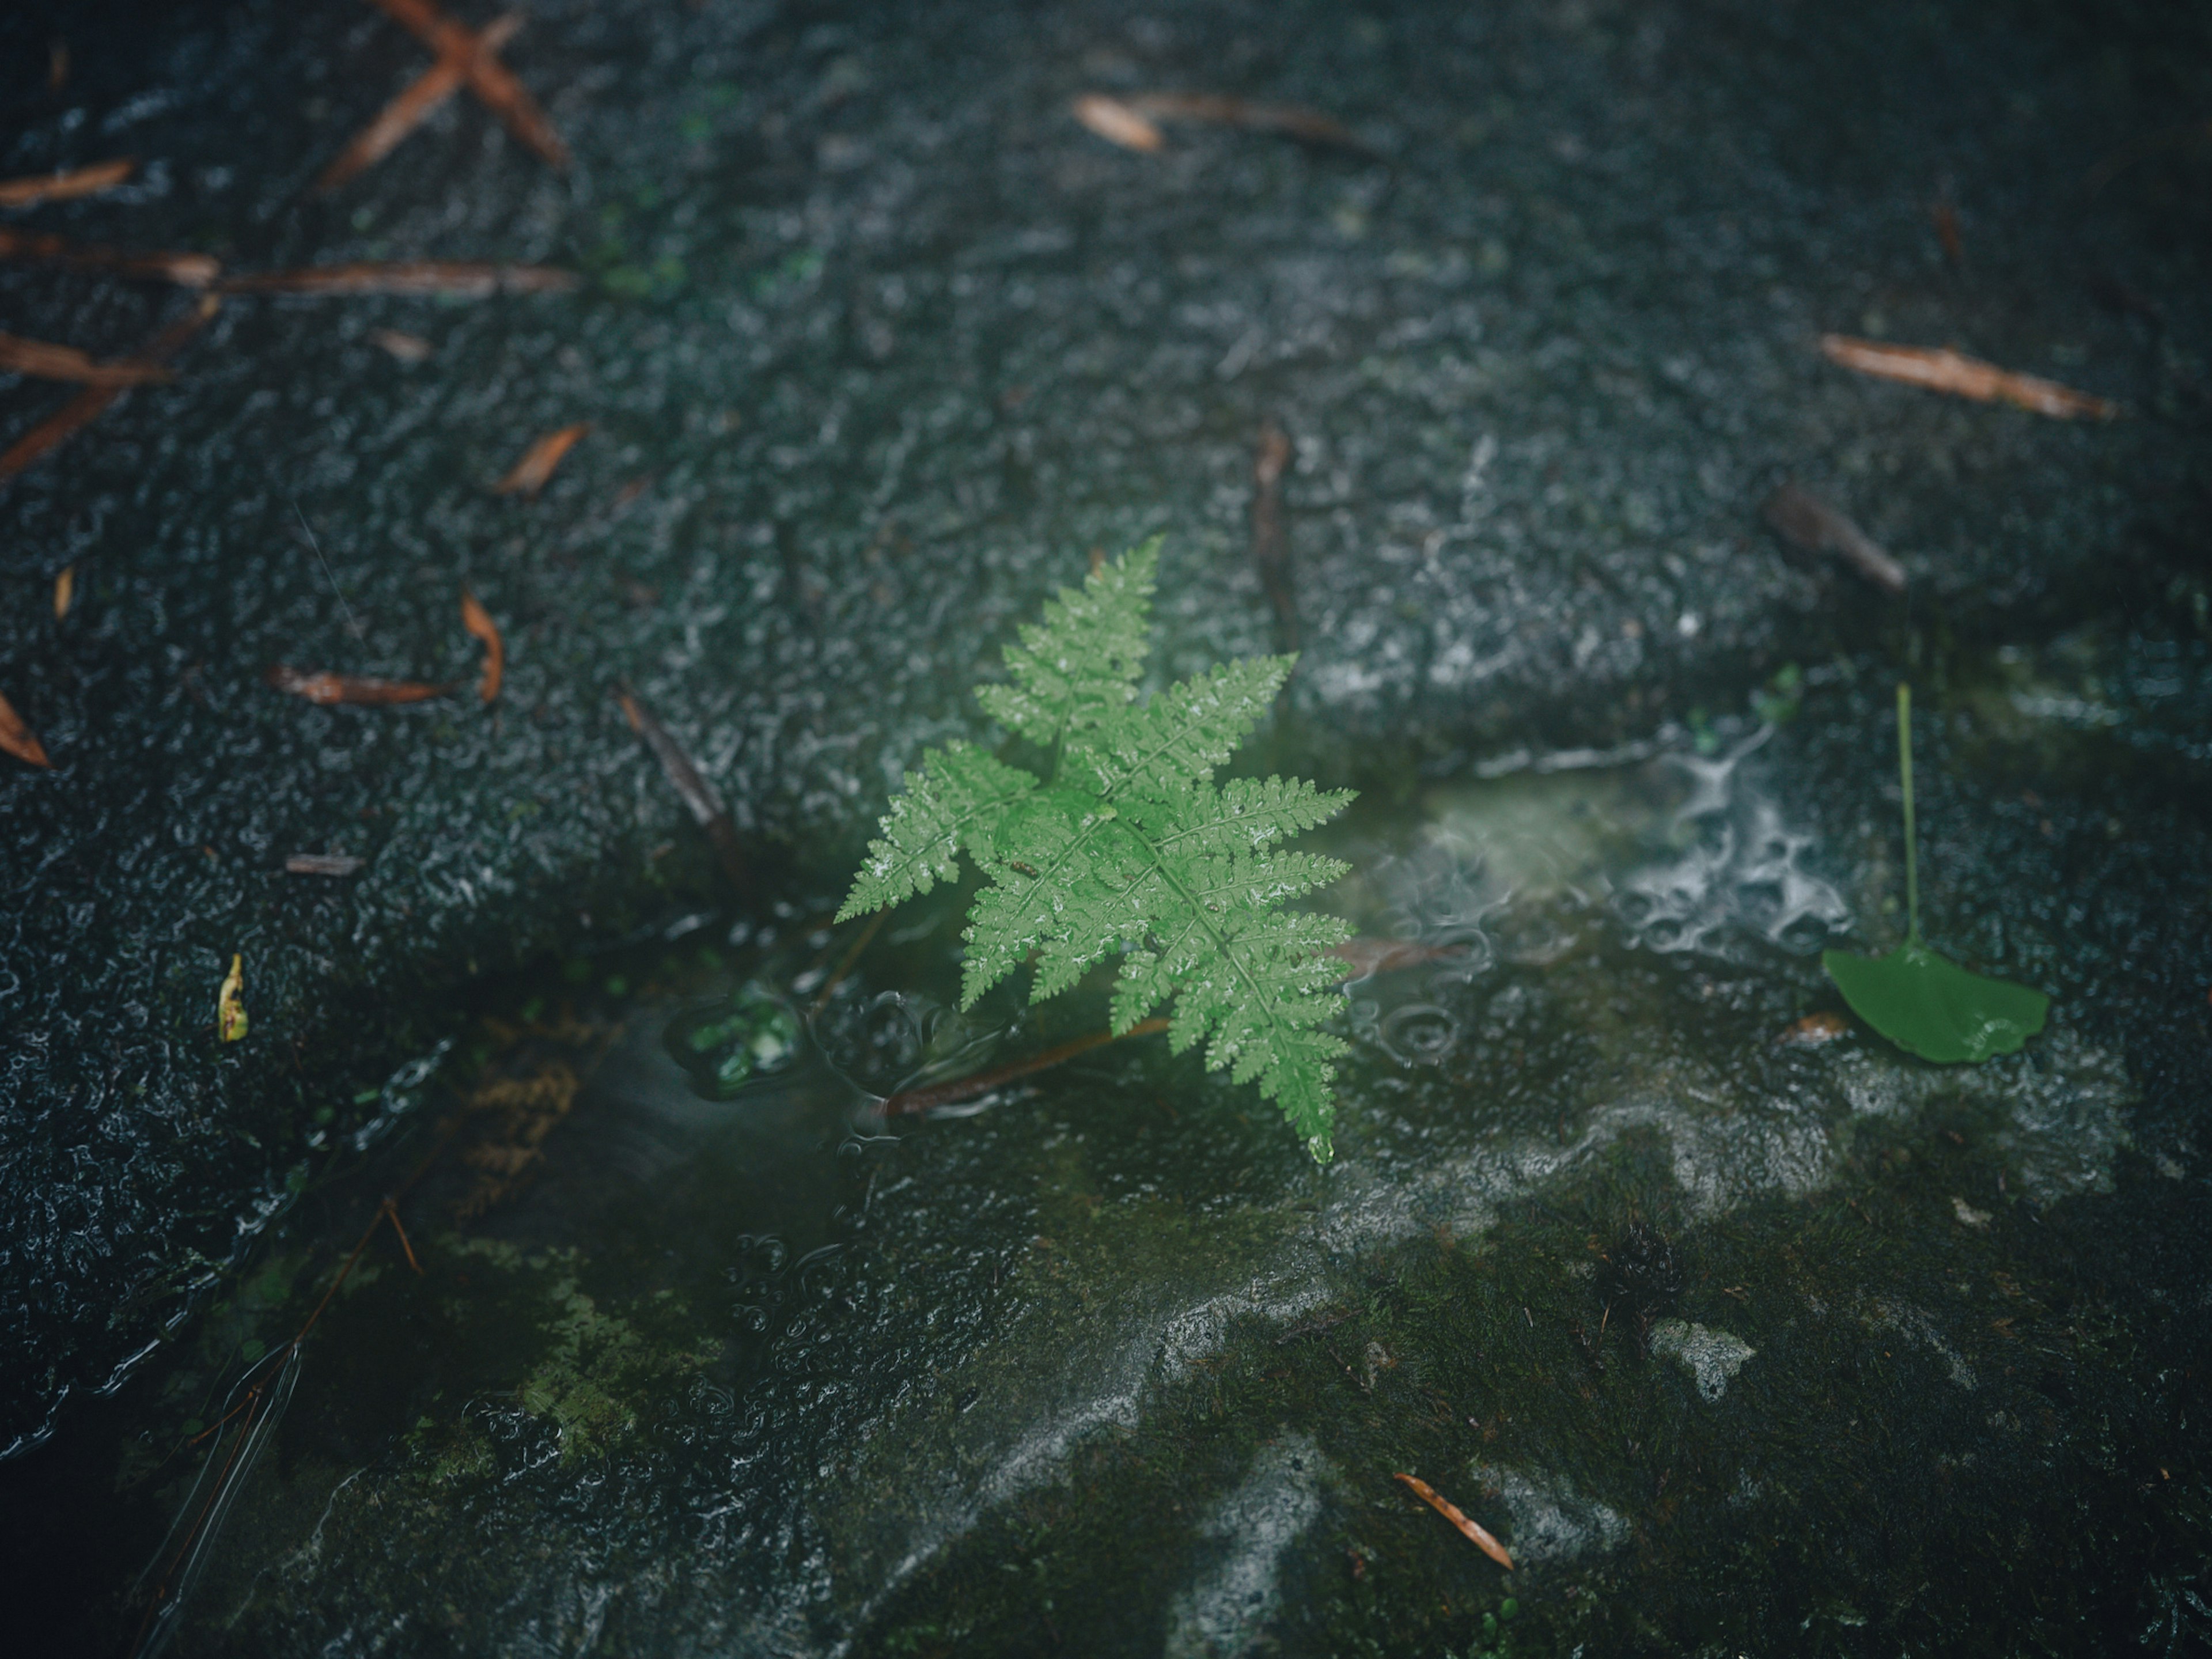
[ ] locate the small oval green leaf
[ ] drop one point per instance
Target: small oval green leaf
(1929, 1006)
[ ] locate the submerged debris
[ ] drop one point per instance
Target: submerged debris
(18, 739)
(1806, 522)
(327, 690)
(184, 269)
(912, 1102)
(66, 184)
(460, 278)
(46, 362)
(479, 622)
(491, 79)
(89, 404)
(1965, 377)
(413, 105)
(230, 1002)
(536, 467)
(1451, 1512)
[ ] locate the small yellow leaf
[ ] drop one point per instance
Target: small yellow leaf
(230, 1005)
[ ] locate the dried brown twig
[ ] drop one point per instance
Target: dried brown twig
(1965, 377)
(328, 691)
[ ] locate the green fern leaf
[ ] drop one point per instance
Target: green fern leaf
(1132, 852)
(958, 794)
(1081, 663)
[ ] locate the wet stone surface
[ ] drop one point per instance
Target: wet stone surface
(1726, 1336)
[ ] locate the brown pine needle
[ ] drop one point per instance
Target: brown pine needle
(327, 690)
(89, 404)
(1116, 123)
(532, 471)
(1216, 110)
(912, 1102)
(412, 107)
(391, 1210)
(64, 592)
(479, 622)
(461, 279)
(408, 348)
(18, 739)
(184, 269)
(66, 186)
(1451, 1512)
(1965, 377)
(490, 79)
(698, 795)
(60, 362)
(321, 864)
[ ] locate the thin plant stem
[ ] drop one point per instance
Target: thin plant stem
(1911, 848)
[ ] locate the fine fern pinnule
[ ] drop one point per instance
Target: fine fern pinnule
(1132, 850)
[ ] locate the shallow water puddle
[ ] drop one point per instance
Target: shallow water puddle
(705, 1357)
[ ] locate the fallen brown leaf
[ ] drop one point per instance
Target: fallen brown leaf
(490, 79)
(1965, 377)
(1450, 1511)
(184, 269)
(479, 622)
(1815, 1029)
(81, 410)
(18, 739)
(1116, 123)
(414, 104)
(408, 348)
(532, 472)
(64, 592)
(1804, 520)
(61, 362)
(328, 689)
(65, 185)
(321, 864)
(465, 279)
